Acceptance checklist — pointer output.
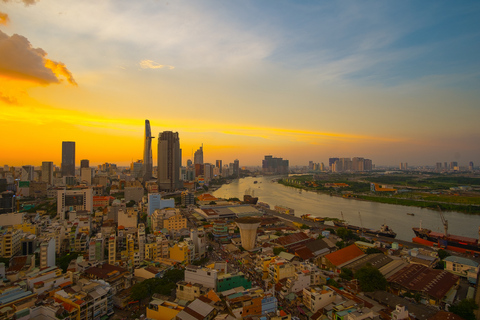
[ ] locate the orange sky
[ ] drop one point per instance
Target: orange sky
(243, 85)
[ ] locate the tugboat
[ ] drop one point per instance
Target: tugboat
(385, 231)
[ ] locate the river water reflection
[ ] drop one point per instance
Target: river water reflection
(372, 214)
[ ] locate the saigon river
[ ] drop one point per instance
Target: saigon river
(373, 214)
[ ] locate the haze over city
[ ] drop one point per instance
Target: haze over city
(392, 82)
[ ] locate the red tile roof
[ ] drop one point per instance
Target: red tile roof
(344, 255)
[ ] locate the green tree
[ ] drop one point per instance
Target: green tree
(373, 250)
(304, 226)
(276, 251)
(212, 202)
(465, 309)
(279, 233)
(370, 279)
(130, 203)
(346, 274)
(64, 261)
(233, 199)
(442, 254)
(340, 244)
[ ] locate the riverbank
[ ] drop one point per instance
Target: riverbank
(443, 206)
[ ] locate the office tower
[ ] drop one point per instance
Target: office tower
(470, 166)
(47, 172)
(310, 165)
(68, 158)
(74, 200)
(219, 165)
(84, 163)
(207, 172)
(189, 163)
(438, 166)
(86, 175)
(236, 168)
(453, 165)
(168, 161)
(198, 156)
(27, 173)
(147, 153)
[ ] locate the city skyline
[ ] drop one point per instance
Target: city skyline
(395, 83)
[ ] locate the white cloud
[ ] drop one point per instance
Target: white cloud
(150, 64)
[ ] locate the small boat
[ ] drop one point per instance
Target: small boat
(410, 214)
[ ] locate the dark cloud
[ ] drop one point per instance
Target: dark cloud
(8, 99)
(19, 60)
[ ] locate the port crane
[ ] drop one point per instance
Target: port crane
(445, 223)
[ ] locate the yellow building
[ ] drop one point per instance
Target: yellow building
(176, 222)
(281, 270)
(27, 228)
(162, 310)
(10, 242)
(181, 252)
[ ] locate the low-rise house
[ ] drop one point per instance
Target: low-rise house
(200, 309)
(119, 278)
(315, 298)
(462, 267)
(188, 291)
(163, 310)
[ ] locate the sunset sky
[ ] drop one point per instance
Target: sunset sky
(393, 81)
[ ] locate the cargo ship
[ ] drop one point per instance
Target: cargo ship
(384, 231)
(448, 241)
(445, 240)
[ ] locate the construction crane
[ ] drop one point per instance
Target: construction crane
(361, 223)
(445, 222)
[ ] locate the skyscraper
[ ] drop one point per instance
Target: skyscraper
(68, 158)
(84, 163)
(168, 161)
(147, 153)
(219, 165)
(47, 172)
(236, 168)
(198, 156)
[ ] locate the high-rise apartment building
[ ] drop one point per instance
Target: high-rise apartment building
(47, 172)
(470, 166)
(169, 161)
(271, 165)
(219, 165)
(147, 168)
(198, 156)
(68, 158)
